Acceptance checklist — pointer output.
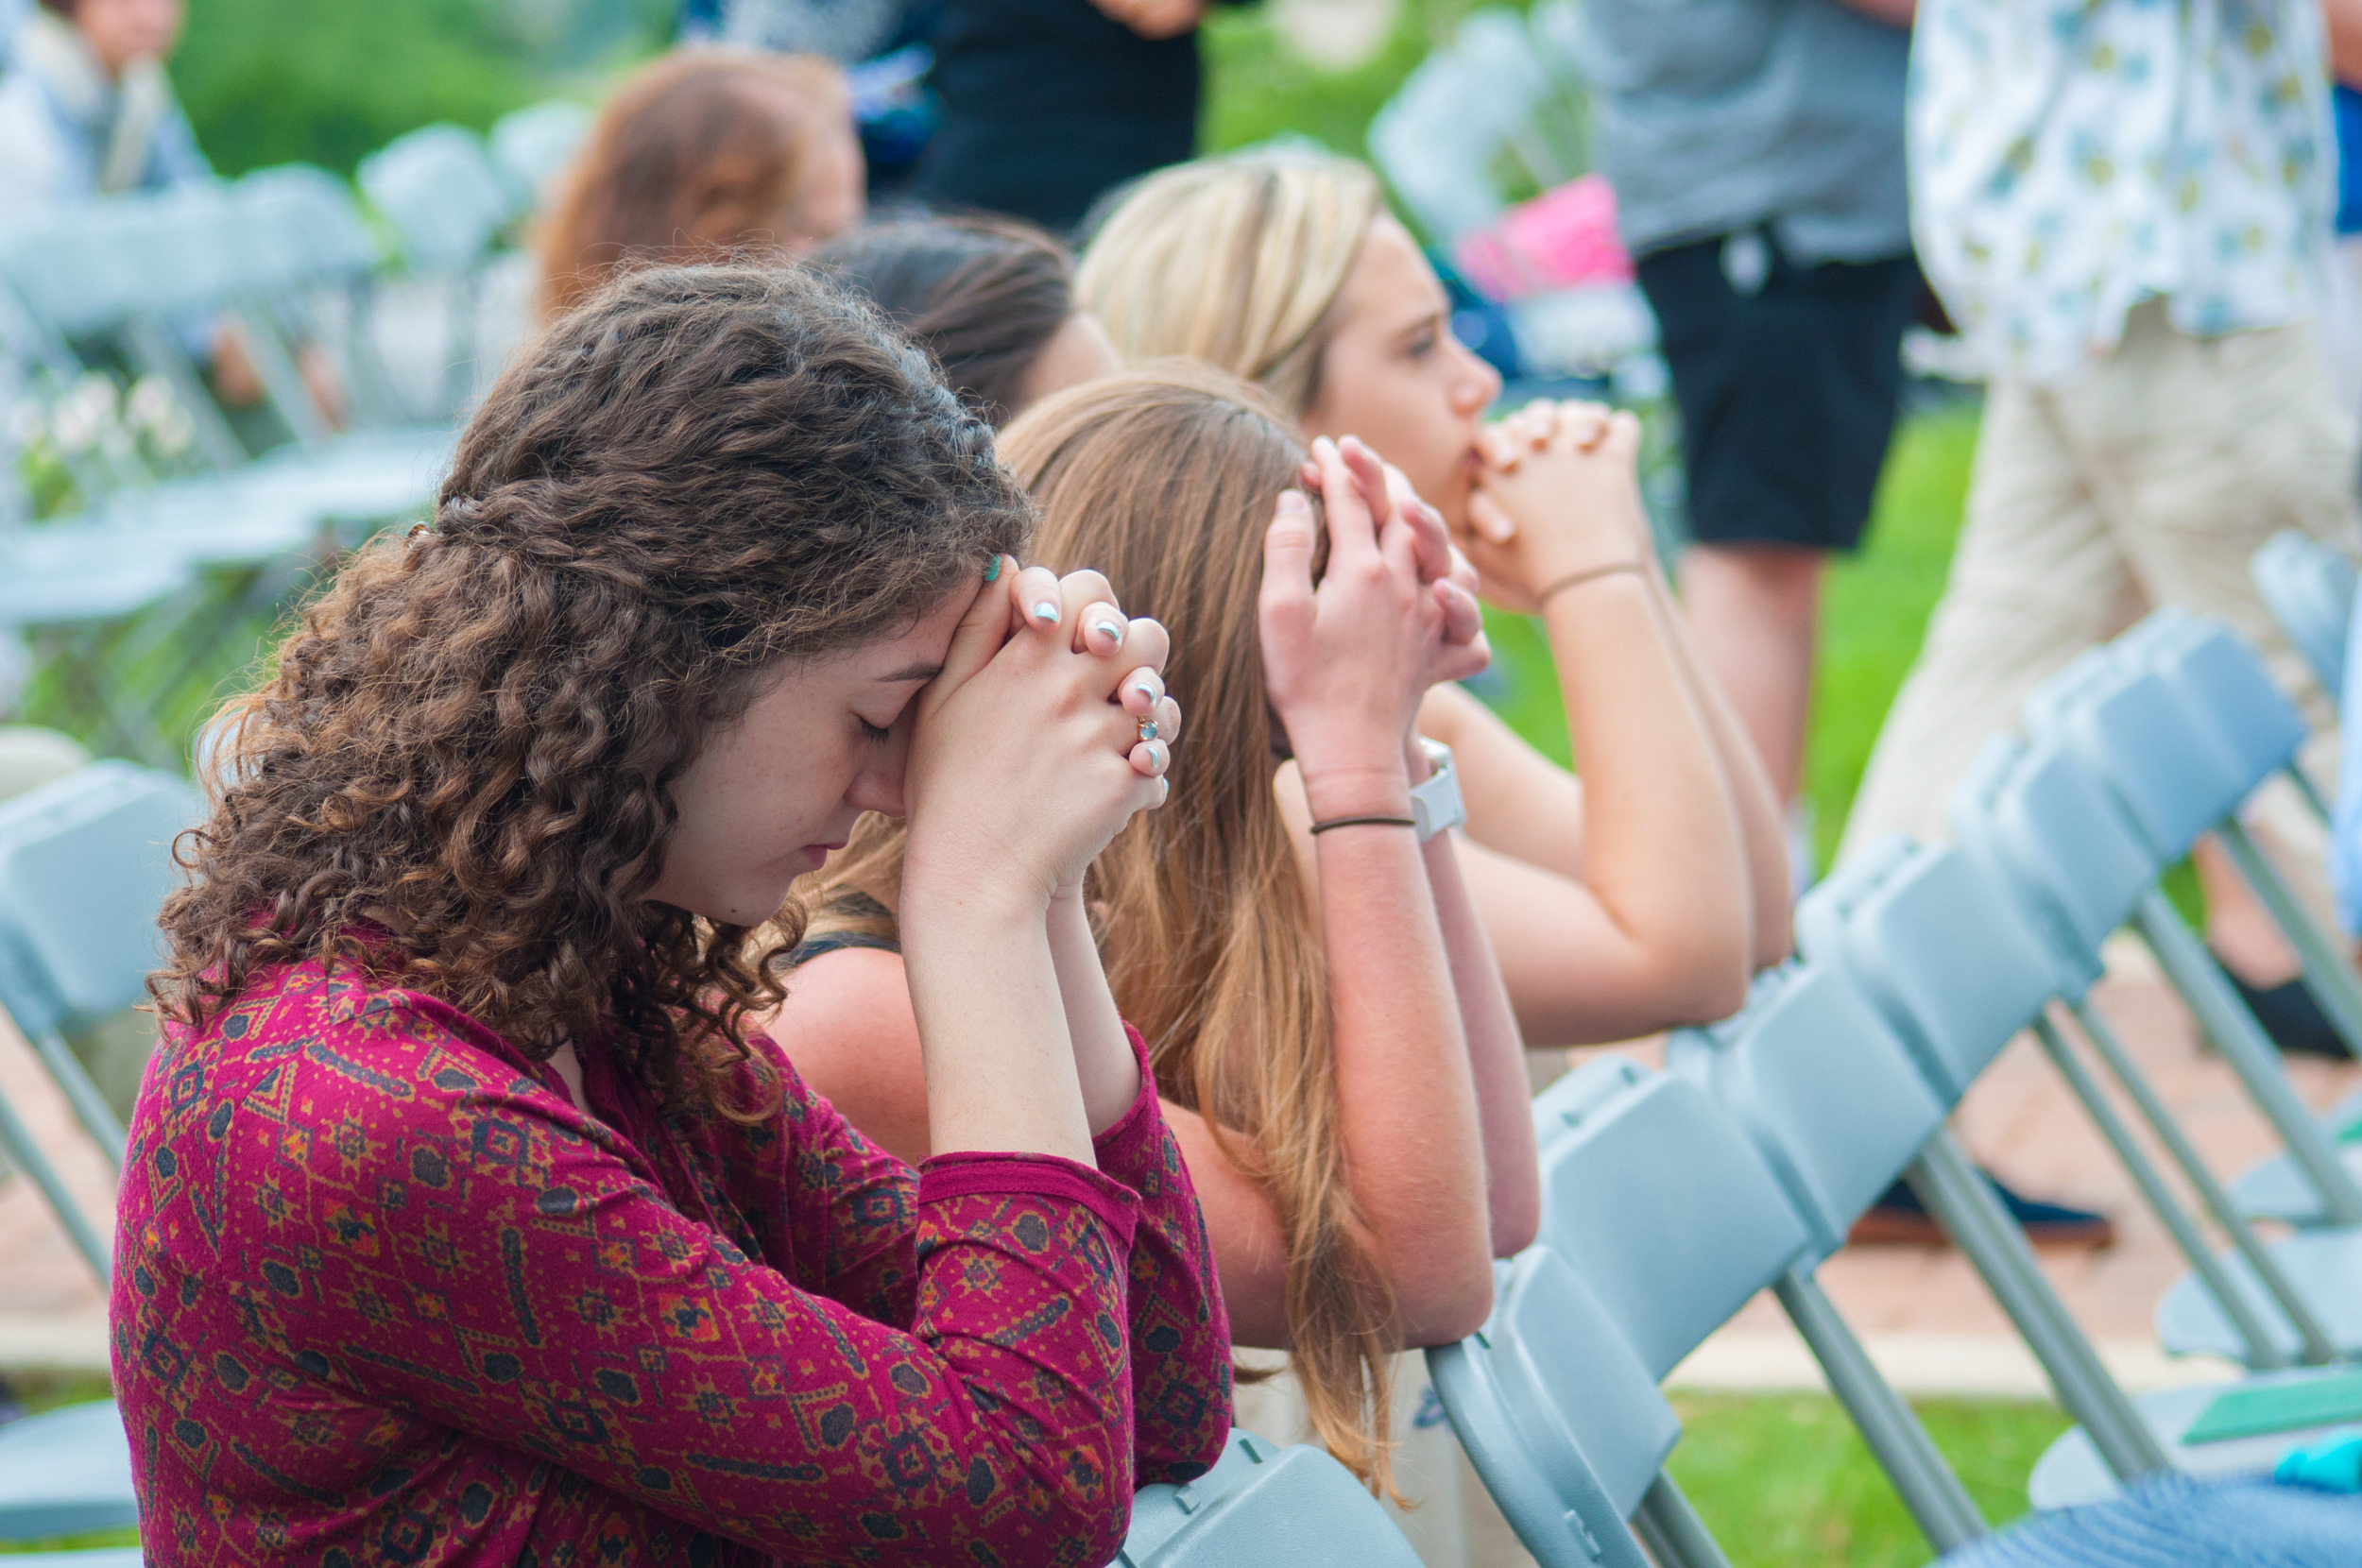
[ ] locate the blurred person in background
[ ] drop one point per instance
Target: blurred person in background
(1756, 151)
(991, 298)
(86, 109)
(703, 153)
(883, 45)
(2126, 209)
(1049, 104)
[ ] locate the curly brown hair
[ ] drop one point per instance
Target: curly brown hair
(459, 775)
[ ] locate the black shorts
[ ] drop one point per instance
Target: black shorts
(1787, 395)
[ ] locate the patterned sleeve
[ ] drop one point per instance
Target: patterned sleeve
(1180, 1339)
(553, 1300)
(1180, 1334)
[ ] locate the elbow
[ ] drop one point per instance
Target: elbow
(1445, 1311)
(1775, 930)
(1516, 1223)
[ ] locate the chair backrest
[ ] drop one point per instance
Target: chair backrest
(437, 186)
(1660, 1204)
(2038, 820)
(303, 229)
(2145, 744)
(69, 270)
(1264, 1502)
(1941, 947)
(1826, 1093)
(532, 146)
(65, 1472)
(85, 863)
(1557, 1414)
(2225, 686)
(2309, 587)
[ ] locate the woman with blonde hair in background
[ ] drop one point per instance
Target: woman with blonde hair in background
(703, 153)
(1326, 1024)
(1640, 896)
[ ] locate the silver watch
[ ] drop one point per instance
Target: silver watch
(1436, 805)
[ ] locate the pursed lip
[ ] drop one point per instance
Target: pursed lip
(819, 852)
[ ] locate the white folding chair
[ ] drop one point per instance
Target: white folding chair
(1264, 1502)
(85, 860)
(1838, 1109)
(1565, 1428)
(67, 1472)
(1942, 947)
(531, 147)
(1674, 1222)
(2308, 587)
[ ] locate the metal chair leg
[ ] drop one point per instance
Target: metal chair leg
(1965, 1202)
(2262, 1350)
(2236, 1034)
(16, 1140)
(1672, 1530)
(1929, 1488)
(2318, 1347)
(2327, 974)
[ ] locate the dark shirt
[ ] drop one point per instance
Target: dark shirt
(1046, 103)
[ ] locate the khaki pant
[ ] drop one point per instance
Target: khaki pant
(2150, 482)
(1452, 1522)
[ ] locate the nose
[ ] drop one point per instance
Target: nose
(879, 785)
(1476, 384)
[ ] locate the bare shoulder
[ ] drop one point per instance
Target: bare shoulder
(849, 1027)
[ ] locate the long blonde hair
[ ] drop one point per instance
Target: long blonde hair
(1164, 478)
(1236, 261)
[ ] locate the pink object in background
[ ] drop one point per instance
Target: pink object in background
(1562, 238)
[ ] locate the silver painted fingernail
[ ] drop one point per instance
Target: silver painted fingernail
(1047, 611)
(1112, 628)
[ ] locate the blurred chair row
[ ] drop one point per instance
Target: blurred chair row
(1672, 1198)
(171, 536)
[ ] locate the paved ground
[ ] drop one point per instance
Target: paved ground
(1927, 1318)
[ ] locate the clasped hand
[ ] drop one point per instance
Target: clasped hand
(1347, 659)
(1047, 729)
(1557, 496)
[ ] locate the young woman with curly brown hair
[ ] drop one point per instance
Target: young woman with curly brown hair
(1330, 1033)
(465, 1216)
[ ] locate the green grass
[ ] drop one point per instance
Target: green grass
(1783, 1481)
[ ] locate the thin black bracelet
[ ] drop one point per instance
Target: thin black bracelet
(1362, 822)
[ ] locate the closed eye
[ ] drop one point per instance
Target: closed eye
(871, 733)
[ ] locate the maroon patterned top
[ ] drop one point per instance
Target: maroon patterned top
(384, 1295)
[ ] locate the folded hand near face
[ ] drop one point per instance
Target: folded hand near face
(1027, 752)
(1558, 496)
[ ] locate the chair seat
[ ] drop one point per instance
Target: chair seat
(64, 1472)
(2277, 1189)
(2324, 1266)
(1264, 1502)
(106, 1556)
(46, 582)
(2071, 1472)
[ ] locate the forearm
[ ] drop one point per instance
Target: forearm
(1662, 853)
(1496, 1056)
(1406, 1095)
(992, 1027)
(1762, 831)
(2344, 19)
(1105, 1066)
